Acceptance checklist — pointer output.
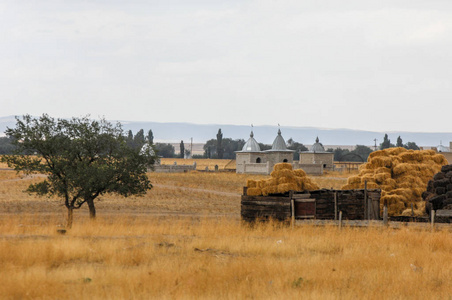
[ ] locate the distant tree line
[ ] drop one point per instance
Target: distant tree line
(6, 145)
(359, 154)
(226, 147)
(387, 144)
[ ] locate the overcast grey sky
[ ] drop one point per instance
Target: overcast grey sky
(373, 65)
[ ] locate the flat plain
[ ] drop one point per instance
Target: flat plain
(184, 240)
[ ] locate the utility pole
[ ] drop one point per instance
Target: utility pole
(191, 147)
(375, 140)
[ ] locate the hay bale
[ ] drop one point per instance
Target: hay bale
(251, 183)
(349, 187)
(270, 189)
(310, 186)
(377, 153)
(271, 181)
(395, 151)
(283, 180)
(439, 159)
(383, 170)
(381, 162)
(285, 187)
(300, 173)
(403, 168)
(354, 180)
(391, 199)
(282, 166)
(254, 192)
(401, 174)
(372, 185)
(382, 177)
(282, 173)
(367, 172)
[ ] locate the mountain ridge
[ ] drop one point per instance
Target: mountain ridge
(173, 132)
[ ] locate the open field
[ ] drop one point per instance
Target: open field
(184, 239)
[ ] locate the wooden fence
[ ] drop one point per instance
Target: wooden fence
(362, 204)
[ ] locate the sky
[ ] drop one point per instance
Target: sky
(371, 65)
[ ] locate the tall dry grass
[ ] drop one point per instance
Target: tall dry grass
(184, 240)
(192, 258)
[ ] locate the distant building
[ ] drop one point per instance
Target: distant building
(318, 155)
(251, 160)
(441, 148)
(446, 152)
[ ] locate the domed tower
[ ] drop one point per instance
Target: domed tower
(250, 154)
(317, 147)
(279, 152)
(251, 145)
(318, 156)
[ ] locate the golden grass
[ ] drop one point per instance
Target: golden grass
(143, 257)
(184, 240)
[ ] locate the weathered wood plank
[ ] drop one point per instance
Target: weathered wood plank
(444, 213)
(301, 196)
(265, 203)
(304, 200)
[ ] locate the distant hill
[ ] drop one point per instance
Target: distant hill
(175, 132)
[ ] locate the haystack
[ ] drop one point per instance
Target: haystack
(283, 179)
(401, 174)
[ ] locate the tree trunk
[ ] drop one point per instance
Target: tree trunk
(92, 209)
(70, 217)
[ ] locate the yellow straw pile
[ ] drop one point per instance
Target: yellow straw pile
(283, 179)
(401, 174)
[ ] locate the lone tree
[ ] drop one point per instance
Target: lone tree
(150, 137)
(138, 139)
(386, 143)
(182, 149)
(82, 158)
(399, 142)
(220, 149)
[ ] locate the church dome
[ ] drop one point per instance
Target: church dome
(279, 144)
(317, 147)
(251, 145)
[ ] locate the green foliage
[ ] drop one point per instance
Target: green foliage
(165, 150)
(362, 151)
(386, 143)
(6, 145)
(182, 149)
(399, 142)
(264, 146)
(150, 137)
(220, 149)
(229, 147)
(82, 159)
(138, 139)
(297, 147)
(359, 154)
(412, 145)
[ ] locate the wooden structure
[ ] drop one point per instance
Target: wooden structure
(362, 204)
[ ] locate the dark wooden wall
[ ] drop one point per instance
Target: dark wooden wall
(354, 204)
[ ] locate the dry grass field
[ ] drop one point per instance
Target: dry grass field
(184, 240)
